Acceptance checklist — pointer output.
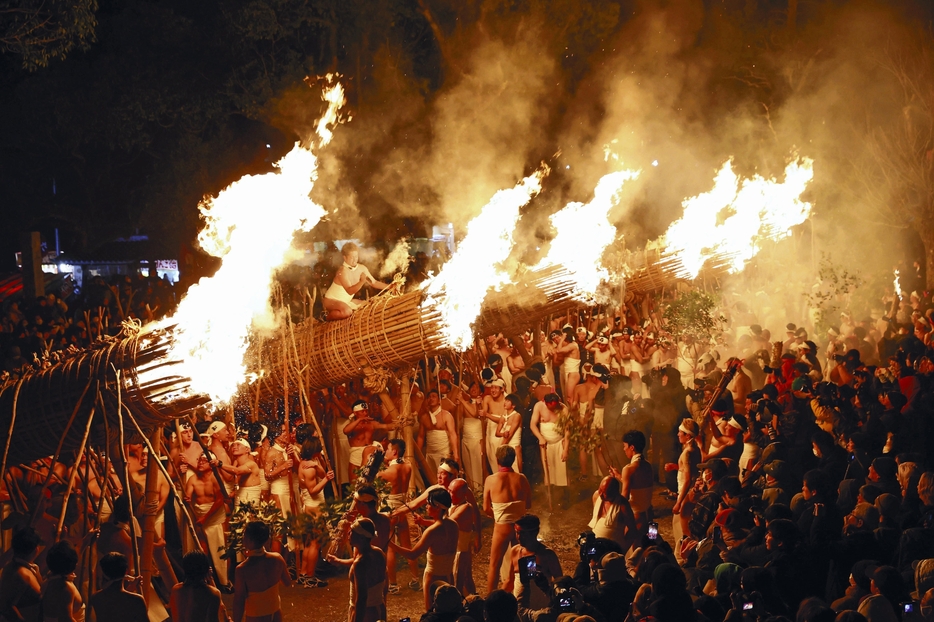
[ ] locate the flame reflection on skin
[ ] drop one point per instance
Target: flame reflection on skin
(736, 215)
(459, 288)
(250, 225)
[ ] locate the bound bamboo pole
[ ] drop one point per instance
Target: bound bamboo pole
(149, 512)
(72, 475)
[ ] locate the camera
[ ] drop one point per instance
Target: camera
(653, 531)
(747, 606)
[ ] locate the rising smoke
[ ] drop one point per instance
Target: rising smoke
(672, 91)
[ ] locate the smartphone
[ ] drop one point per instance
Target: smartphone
(653, 531)
(747, 606)
(405, 619)
(908, 606)
(527, 567)
(717, 533)
(592, 551)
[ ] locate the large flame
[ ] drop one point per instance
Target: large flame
(897, 284)
(584, 232)
(732, 220)
(459, 288)
(250, 225)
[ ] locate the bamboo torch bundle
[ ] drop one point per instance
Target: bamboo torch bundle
(41, 402)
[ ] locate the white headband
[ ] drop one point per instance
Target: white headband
(448, 468)
(736, 424)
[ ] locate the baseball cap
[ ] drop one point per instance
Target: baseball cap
(716, 465)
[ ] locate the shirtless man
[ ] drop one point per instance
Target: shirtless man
(554, 444)
(740, 386)
(589, 412)
(367, 574)
(312, 478)
(637, 479)
(437, 434)
(278, 466)
(195, 600)
(725, 430)
(186, 453)
(21, 582)
(507, 497)
(467, 519)
(439, 541)
(567, 358)
(603, 353)
(493, 409)
(539, 388)
(114, 602)
(359, 431)
(350, 278)
(471, 433)
(61, 599)
(220, 436)
(687, 472)
(115, 534)
(397, 474)
(529, 594)
(246, 470)
(256, 594)
(509, 430)
(137, 461)
(203, 492)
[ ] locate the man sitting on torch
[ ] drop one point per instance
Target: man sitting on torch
(350, 278)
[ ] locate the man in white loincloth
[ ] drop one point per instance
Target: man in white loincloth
(437, 434)
(350, 278)
(544, 426)
(493, 409)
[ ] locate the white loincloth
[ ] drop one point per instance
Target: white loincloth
(437, 446)
(557, 468)
(471, 457)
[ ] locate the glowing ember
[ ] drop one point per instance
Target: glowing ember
(458, 290)
(584, 232)
(898, 286)
(250, 224)
(733, 218)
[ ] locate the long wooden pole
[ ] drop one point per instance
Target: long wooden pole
(149, 511)
(74, 473)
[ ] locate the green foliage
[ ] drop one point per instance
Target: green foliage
(248, 512)
(691, 314)
(832, 294)
(580, 433)
(39, 31)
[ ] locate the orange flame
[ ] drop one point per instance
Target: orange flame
(584, 232)
(734, 218)
(250, 225)
(459, 288)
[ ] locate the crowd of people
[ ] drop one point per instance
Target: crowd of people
(35, 334)
(798, 467)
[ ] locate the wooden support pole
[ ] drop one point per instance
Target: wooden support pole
(149, 512)
(520, 348)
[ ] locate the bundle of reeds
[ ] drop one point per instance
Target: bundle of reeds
(37, 409)
(386, 332)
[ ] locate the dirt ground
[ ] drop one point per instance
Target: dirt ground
(559, 531)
